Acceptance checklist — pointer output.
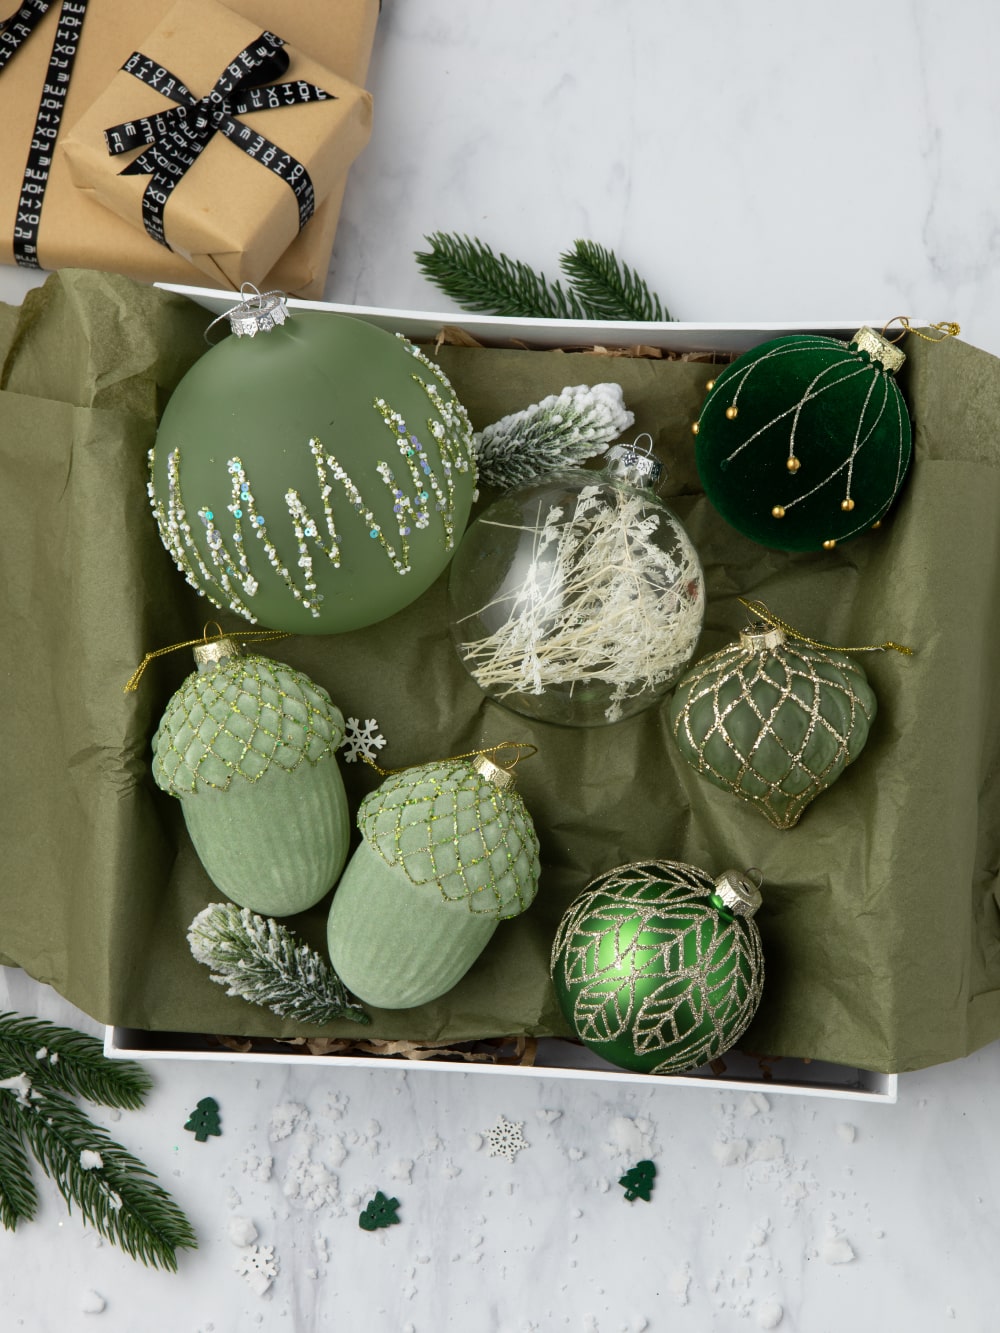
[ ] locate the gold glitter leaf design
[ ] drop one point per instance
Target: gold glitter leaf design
(240, 720)
(444, 823)
(774, 726)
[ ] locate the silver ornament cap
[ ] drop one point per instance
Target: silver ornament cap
(738, 892)
(632, 464)
(258, 313)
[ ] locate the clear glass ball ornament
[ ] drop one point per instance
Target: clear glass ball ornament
(578, 598)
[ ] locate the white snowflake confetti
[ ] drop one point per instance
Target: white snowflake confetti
(258, 1265)
(361, 742)
(505, 1139)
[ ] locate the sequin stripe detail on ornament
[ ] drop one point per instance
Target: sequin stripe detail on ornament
(625, 949)
(785, 694)
(860, 363)
(230, 582)
(241, 721)
(445, 824)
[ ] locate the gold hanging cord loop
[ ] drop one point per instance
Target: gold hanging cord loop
(947, 329)
(522, 750)
(254, 635)
(760, 610)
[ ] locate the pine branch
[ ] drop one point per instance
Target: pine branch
(18, 1199)
(258, 960)
(608, 289)
(70, 1062)
(563, 430)
(117, 1195)
(476, 278)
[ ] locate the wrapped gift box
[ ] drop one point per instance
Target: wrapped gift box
(74, 229)
(880, 922)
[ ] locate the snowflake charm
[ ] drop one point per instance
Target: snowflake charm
(506, 1139)
(258, 1265)
(361, 742)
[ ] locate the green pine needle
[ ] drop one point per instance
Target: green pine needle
(72, 1062)
(607, 288)
(18, 1199)
(469, 272)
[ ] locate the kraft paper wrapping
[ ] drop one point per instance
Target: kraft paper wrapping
(76, 230)
(230, 216)
(880, 920)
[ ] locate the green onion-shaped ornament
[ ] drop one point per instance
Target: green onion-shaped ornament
(804, 441)
(312, 473)
(249, 746)
(658, 967)
(448, 850)
(773, 720)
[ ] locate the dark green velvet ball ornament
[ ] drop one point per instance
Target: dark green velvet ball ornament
(804, 441)
(312, 473)
(659, 968)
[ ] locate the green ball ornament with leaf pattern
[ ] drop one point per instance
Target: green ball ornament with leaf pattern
(804, 441)
(448, 851)
(312, 473)
(658, 967)
(248, 746)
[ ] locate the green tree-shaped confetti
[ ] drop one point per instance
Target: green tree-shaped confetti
(380, 1212)
(204, 1119)
(638, 1181)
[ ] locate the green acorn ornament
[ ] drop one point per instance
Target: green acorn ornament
(448, 850)
(313, 472)
(248, 745)
(775, 718)
(804, 441)
(658, 967)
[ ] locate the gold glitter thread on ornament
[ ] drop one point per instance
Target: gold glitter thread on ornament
(239, 722)
(447, 824)
(651, 974)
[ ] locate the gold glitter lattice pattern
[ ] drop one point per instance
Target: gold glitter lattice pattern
(446, 824)
(774, 726)
(239, 721)
(655, 970)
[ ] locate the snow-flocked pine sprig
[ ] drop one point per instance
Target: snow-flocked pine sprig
(608, 288)
(476, 277)
(563, 430)
(259, 960)
(69, 1061)
(115, 1193)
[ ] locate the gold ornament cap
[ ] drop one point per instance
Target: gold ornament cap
(500, 777)
(738, 892)
(879, 349)
(210, 656)
(761, 638)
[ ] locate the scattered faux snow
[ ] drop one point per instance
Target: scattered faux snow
(836, 1250)
(285, 1118)
(769, 1314)
(680, 1283)
(451, 1170)
(92, 1302)
(767, 1150)
(90, 1160)
(241, 1231)
(574, 1154)
(728, 1152)
(402, 1170)
(761, 1231)
(603, 1184)
(475, 1142)
(630, 1137)
(755, 1103)
(41, 1053)
(549, 1115)
(846, 1132)
(310, 1182)
(21, 1084)
(256, 1165)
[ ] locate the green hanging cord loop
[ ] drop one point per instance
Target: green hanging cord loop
(254, 635)
(758, 609)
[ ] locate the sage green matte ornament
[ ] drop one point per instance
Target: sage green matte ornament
(804, 441)
(773, 720)
(312, 473)
(249, 745)
(448, 850)
(659, 968)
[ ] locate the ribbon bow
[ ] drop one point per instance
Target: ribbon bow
(175, 138)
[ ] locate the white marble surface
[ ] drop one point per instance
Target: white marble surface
(767, 161)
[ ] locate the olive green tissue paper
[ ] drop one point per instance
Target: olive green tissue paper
(880, 923)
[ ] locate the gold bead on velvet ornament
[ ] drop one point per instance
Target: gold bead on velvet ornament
(312, 472)
(658, 966)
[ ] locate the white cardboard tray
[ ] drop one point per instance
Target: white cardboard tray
(554, 1058)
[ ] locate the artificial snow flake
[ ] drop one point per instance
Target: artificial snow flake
(259, 1266)
(361, 742)
(505, 1139)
